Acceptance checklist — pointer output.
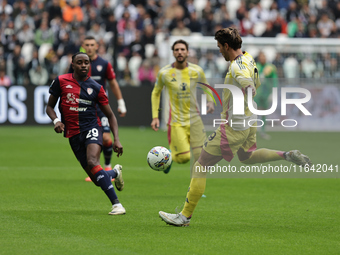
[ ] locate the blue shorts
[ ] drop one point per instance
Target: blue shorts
(104, 120)
(80, 141)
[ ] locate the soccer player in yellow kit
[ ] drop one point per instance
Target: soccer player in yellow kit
(185, 127)
(229, 140)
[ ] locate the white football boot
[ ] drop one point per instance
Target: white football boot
(119, 182)
(117, 209)
(178, 219)
(298, 158)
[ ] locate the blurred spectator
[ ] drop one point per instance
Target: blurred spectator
(37, 11)
(246, 26)
(73, 13)
(65, 46)
(146, 74)
(92, 17)
(52, 68)
(8, 38)
(43, 35)
(195, 24)
(4, 79)
(97, 31)
(273, 12)
(326, 26)
(22, 19)
(241, 11)
(6, 8)
(18, 7)
(269, 32)
(148, 35)
(152, 9)
(226, 21)
(111, 23)
(34, 61)
(54, 10)
(209, 25)
(38, 76)
(301, 31)
(126, 6)
(293, 12)
(180, 29)
(258, 14)
(106, 10)
(308, 67)
(171, 11)
(137, 45)
(25, 35)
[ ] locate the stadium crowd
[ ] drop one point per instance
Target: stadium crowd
(39, 37)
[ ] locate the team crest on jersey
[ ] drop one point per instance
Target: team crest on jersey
(89, 91)
(99, 68)
(183, 86)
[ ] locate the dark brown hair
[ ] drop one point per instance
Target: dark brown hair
(180, 41)
(230, 36)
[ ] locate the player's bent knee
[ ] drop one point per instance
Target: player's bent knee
(181, 158)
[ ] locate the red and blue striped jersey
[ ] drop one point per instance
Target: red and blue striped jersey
(77, 103)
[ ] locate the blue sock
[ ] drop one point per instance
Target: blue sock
(104, 182)
(112, 173)
(107, 151)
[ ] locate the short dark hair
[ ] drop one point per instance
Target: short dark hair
(180, 41)
(89, 37)
(230, 36)
(78, 53)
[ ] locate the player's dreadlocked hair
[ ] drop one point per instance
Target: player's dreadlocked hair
(180, 41)
(230, 36)
(73, 56)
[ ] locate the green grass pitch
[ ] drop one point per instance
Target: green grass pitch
(46, 207)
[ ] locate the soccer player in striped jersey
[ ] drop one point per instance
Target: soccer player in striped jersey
(185, 127)
(101, 71)
(229, 140)
(79, 98)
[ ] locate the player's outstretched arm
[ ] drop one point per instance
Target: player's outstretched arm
(118, 94)
(117, 147)
(58, 125)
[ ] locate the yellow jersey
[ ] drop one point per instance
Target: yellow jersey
(181, 87)
(242, 73)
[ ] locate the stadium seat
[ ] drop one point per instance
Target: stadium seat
(270, 53)
(26, 51)
(265, 4)
(259, 28)
(43, 50)
(134, 64)
(149, 50)
(121, 63)
(232, 6)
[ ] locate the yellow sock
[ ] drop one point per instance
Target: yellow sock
(195, 192)
(196, 152)
(264, 155)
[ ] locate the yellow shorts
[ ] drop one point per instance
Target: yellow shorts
(181, 138)
(226, 142)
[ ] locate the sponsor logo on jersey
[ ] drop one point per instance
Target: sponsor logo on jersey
(69, 86)
(78, 109)
(83, 101)
(89, 91)
(99, 68)
(70, 98)
(173, 79)
(183, 86)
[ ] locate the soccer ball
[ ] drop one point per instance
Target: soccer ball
(159, 158)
